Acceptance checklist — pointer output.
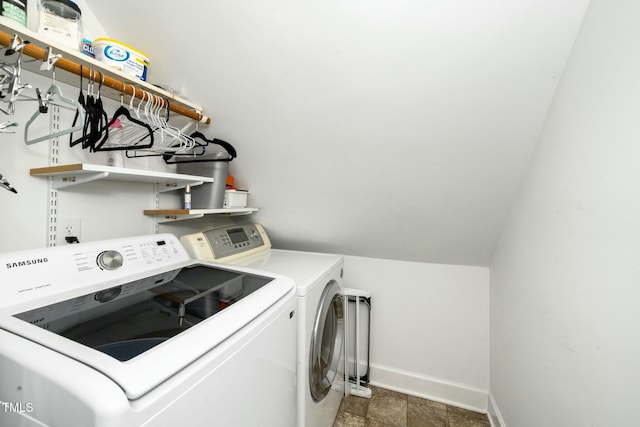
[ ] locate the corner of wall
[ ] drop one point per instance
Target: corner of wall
(494, 414)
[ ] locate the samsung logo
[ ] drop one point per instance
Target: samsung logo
(27, 262)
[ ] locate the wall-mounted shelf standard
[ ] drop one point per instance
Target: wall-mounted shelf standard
(114, 81)
(169, 215)
(80, 173)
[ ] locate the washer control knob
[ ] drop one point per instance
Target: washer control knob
(110, 260)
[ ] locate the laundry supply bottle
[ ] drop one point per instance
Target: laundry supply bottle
(187, 197)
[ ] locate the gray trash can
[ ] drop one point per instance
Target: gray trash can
(208, 195)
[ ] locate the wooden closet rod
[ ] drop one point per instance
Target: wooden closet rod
(75, 68)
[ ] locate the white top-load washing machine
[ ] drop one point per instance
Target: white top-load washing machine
(133, 332)
(320, 309)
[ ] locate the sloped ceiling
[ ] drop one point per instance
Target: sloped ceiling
(393, 129)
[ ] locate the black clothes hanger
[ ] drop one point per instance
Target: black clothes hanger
(88, 119)
(82, 103)
(169, 157)
(224, 144)
(95, 129)
(101, 121)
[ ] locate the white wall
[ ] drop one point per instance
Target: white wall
(23, 215)
(390, 129)
(565, 348)
(430, 327)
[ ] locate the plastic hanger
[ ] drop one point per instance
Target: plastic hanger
(12, 78)
(53, 91)
(89, 119)
(100, 125)
(177, 149)
(146, 97)
(82, 102)
(121, 119)
(169, 157)
(224, 144)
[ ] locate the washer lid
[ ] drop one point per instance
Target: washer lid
(96, 316)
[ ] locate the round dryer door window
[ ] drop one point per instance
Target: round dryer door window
(326, 342)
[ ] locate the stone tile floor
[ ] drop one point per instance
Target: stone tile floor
(392, 409)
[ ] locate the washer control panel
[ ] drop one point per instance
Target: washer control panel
(227, 243)
(46, 272)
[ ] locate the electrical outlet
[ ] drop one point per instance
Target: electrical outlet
(67, 231)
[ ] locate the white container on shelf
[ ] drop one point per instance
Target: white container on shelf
(122, 57)
(235, 199)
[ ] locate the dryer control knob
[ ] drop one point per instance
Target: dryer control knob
(110, 260)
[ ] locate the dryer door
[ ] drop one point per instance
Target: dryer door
(327, 339)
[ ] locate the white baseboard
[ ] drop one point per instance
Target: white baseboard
(495, 417)
(451, 393)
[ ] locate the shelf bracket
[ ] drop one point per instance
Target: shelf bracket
(177, 186)
(71, 180)
(172, 218)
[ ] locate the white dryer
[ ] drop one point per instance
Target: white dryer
(320, 375)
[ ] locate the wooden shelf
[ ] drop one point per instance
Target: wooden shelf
(76, 174)
(80, 173)
(169, 215)
(115, 81)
